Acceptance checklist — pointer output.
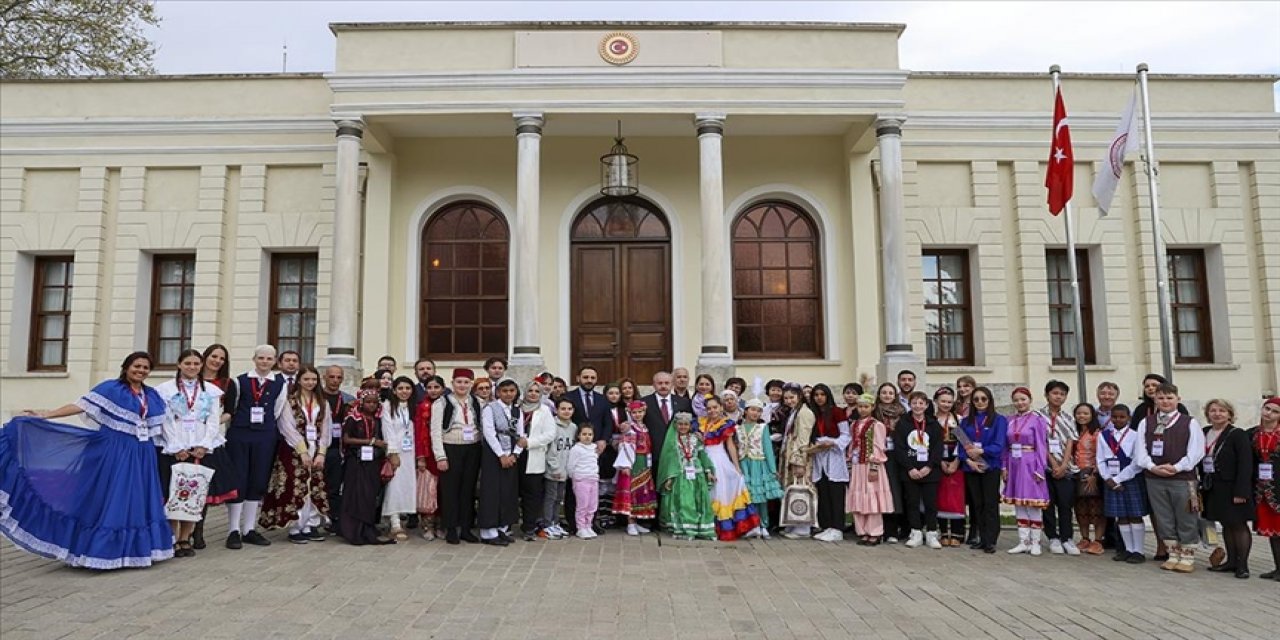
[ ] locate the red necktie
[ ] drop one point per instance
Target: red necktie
(666, 410)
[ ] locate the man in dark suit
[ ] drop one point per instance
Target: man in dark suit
(660, 407)
(589, 405)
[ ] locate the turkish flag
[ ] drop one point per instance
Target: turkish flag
(1058, 179)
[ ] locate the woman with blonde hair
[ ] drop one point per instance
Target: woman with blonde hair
(1226, 484)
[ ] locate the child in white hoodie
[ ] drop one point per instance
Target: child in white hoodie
(584, 470)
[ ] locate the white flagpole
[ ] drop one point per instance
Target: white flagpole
(1077, 316)
(1162, 276)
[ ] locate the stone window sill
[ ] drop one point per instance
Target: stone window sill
(34, 375)
(1087, 367)
(1210, 366)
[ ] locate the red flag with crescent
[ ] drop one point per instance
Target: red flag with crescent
(1060, 176)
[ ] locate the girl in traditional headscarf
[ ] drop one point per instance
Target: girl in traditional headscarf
(869, 494)
(759, 467)
(365, 449)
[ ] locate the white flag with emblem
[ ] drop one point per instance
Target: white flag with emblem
(1124, 141)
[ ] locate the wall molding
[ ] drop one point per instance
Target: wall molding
(587, 78)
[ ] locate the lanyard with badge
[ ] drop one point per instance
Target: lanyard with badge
(1113, 463)
(1211, 450)
(366, 451)
(189, 419)
(1055, 442)
(468, 429)
(406, 441)
(311, 417)
(257, 414)
(336, 417)
(922, 441)
(686, 453)
(1266, 470)
(1015, 447)
(143, 434)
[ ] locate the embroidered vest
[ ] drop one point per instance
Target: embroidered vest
(1176, 437)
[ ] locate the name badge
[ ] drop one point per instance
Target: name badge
(468, 434)
(366, 453)
(690, 471)
(406, 443)
(189, 422)
(1055, 446)
(312, 434)
(1207, 465)
(922, 455)
(1157, 448)
(257, 415)
(1015, 450)
(888, 444)
(337, 431)
(1113, 466)
(1266, 471)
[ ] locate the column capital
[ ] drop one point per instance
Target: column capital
(529, 122)
(890, 124)
(350, 126)
(709, 122)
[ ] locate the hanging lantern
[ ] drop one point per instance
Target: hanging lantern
(619, 170)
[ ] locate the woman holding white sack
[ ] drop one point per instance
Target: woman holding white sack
(192, 428)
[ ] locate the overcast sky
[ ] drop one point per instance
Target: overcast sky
(1173, 37)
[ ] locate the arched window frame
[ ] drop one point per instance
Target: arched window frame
(490, 295)
(747, 258)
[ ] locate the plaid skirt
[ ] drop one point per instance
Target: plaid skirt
(1130, 503)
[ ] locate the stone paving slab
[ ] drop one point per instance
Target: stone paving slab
(618, 586)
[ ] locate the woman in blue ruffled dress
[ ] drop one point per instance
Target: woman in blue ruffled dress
(89, 497)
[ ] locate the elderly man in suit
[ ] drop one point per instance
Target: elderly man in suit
(660, 407)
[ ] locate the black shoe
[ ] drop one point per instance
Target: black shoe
(991, 548)
(530, 536)
(1160, 557)
(1121, 555)
(253, 537)
(452, 537)
(1222, 568)
(315, 535)
(411, 521)
(1242, 573)
(1271, 575)
(1136, 558)
(197, 536)
(497, 542)
(975, 544)
(469, 538)
(505, 537)
(234, 541)
(296, 538)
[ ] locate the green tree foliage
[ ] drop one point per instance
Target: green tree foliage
(73, 37)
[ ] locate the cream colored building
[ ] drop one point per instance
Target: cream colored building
(796, 188)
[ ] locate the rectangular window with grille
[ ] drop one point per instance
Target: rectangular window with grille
(173, 284)
(292, 325)
(50, 313)
(948, 315)
(1189, 306)
(1061, 315)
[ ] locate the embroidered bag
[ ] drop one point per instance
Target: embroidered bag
(188, 489)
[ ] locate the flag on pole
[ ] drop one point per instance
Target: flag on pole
(1123, 141)
(1059, 178)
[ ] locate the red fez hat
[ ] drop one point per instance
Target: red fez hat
(463, 373)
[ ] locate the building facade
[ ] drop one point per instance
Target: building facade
(806, 209)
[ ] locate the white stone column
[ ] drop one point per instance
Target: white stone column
(526, 354)
(714, 357)
(344, 291)
(898, 351)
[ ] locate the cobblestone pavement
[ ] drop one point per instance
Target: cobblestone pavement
(616, 585)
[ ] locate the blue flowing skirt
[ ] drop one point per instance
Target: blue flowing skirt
(89, 498)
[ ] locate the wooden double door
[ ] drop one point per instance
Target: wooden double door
(620, 280)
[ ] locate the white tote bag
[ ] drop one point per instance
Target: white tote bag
(188, 489)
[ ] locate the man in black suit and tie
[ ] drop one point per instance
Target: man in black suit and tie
(660, 407)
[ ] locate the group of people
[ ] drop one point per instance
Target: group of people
(485, 459)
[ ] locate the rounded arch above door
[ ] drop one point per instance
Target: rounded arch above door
(620, 289)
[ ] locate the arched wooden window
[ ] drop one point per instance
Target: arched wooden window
(465, 250)
(777, 300)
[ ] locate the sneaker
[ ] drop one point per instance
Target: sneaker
(931, 539)
(791, 536)
(315, 535)
(585, 534)
(427, 534)
(632, 530)
(234, 541)
(639, 527)
(298, 538)
(764, 533)
(1056, 547)
(558, 530)
(1070, 548)
(891, 540)
(253, 537)
(823, 536)
(916, 539)
(754, 533)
